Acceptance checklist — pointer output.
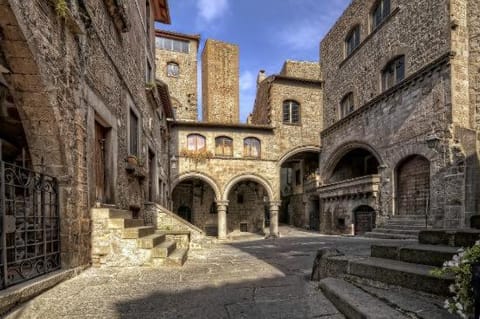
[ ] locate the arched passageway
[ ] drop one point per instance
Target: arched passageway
(298, 176)
(413, 186)
(356, 163)
(195, 201)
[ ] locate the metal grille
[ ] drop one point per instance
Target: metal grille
(30, 225)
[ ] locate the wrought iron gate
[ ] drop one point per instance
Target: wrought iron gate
(30, 224)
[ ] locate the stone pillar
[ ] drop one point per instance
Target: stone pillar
(222, 218)
(274, 207)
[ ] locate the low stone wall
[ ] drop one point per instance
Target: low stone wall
(164, 220)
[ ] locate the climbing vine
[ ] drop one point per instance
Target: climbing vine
(61, 8)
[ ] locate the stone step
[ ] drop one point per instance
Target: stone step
(177, 258)
(164, 249)
(399, 273)
(456, 238)
(430, 255)
(409, 227)
(138, 232)
(396, 231)
(150, 241)
(121, 223)
(355, 303)
(389, 236)
(406, 222)
(107, 213)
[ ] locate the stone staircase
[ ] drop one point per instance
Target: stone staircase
(395, 281)
(399, 227)
(119, 240)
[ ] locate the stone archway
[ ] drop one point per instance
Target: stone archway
(413, 186)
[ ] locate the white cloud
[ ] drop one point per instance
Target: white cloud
(247, 81)
(210, 10)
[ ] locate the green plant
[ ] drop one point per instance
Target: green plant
(197, 156)
(150, 85)
(462, 301)
(61, 8)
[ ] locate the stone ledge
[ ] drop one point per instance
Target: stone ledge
(15, 295)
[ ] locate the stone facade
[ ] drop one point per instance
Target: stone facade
(182, 87)
(220, 82)
(426, 115)
(69, 79)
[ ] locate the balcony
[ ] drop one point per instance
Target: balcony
(365, 185)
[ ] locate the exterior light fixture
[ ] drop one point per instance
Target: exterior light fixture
(432, 141)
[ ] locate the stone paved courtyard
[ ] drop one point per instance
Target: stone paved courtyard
(247, 279)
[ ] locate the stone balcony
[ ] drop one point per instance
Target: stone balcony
(361, 186)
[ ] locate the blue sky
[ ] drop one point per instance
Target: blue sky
(267, 31)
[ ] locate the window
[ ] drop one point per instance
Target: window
(291, 112)
(223, 146)
(353, 40)
(133, 131)
(251, 147)
(298, 179)
(240, 199)
(172, 45)
(173, 69)
(393, 73)
(380, 11)
(147, 19)
(346, 105)
(196, 142)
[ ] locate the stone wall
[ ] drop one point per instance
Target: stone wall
(67, 73)
(302, 69)
(183, 89)
(417, 29)
(220, 82)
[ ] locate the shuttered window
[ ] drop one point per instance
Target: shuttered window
(223, 146)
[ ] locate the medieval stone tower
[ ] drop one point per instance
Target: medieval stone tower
(176, 59)
(220, 82)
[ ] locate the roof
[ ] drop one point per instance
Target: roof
(161, 12)
(177, 35)
(295, 79)
(162, 89)
(224, 125)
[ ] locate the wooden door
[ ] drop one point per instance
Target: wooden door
(99, 162)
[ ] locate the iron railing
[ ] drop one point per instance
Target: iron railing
(30, 224)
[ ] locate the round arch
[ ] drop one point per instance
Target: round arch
(341, 151)
(251, 177)
(297, 150)
(196, 175)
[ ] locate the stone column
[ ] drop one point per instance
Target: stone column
(274, 207)
(222, 218)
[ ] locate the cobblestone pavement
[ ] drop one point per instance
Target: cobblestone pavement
(248, 279)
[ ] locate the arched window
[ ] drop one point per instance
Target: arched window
(196, 142)
(291, 112)
(352, 41)
(347, 105)
(223, 146)
(380, 11)
(173, 69)
(251, 147)
(393, 73)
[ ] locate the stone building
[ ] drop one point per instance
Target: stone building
(78, 98)
(400, 115)
(227, 178)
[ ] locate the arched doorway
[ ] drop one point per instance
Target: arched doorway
(413, 186)
(298, 176)
(355, 163)
(364, 217)
(194, 200)
(248, 205)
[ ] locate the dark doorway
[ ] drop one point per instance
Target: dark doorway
(315, 215)
(186, 213)
(364, 220)
(100, 159)
(151, 176)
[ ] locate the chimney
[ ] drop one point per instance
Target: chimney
(261, 76)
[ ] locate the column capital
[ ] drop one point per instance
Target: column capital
(222, 202)
(277, 203)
